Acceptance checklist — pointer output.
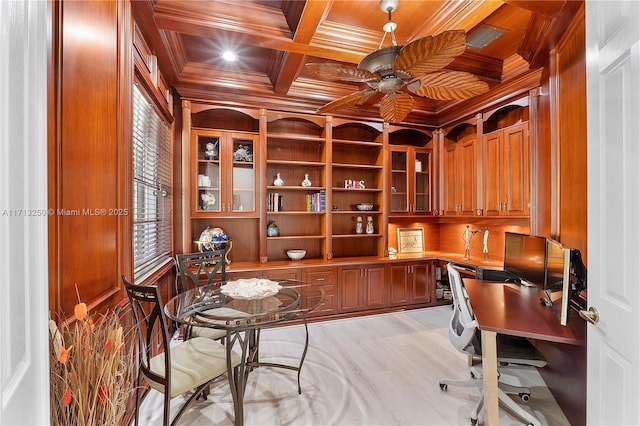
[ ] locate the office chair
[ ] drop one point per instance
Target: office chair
(180, 367)
(198, 269)
(512, 351)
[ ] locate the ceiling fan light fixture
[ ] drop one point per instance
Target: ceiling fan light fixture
(380, 61)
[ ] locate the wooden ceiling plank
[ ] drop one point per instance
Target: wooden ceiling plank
(456, 15)
(169, 23)
(289, 68)
(549, 8)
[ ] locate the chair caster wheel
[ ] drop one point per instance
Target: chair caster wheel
(472, 374)
(443, 386)
(474, 422)
(525, 396)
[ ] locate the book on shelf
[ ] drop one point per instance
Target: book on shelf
(274, 202)
(315, 202)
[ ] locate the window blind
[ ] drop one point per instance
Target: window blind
(152, 231)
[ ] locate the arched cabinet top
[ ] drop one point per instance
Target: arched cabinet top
(461, 131)
(505, 116)
(225, 118)
(413, 137)
(359, 131)
(318, 120)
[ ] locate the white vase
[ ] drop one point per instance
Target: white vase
(278, 181)
(306, 181)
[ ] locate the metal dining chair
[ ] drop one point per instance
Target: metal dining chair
(198, 269)
(187, 366)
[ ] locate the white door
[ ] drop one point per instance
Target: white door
(613, 105)
(24, 360)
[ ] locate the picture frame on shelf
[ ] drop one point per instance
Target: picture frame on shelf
(410, 240)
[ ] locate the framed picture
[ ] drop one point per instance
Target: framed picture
(410, 240)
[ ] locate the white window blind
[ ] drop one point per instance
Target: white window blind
(152, 189)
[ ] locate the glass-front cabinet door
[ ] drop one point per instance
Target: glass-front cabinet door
(243, 174)
(399, 181)
(422, 182)
(410, 180)
(225, 180)
(209, 177)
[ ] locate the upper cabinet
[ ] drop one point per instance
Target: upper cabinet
(459, 171)
(506, 183)
(224, 173)
(410, 173)
(220, 178)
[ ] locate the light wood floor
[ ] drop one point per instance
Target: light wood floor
(374, 370)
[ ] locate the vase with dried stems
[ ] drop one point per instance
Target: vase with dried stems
(89, 370)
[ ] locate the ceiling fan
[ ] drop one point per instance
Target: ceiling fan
(416, 67)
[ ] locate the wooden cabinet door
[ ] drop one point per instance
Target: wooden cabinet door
(492, 165)
(515, 166)
(421, 282)
(375, 287)
(400, 286)
(506, 172)
(350, 289)
(460, 173)
(325, 279)
(467, 177)
(450, 180)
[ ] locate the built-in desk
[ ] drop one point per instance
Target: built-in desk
(514, 310)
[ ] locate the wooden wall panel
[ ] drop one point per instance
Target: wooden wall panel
(572, 139)
(85, 166)
(566, 132)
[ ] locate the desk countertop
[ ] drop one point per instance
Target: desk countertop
(517, 311)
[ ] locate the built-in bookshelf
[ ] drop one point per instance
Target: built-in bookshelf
(357, 178)
(296, 158)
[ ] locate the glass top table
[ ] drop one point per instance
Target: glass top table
(242, 319)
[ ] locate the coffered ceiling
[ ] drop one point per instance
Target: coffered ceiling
(274, 39)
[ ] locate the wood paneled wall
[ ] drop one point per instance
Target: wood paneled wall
(563, 137)
(89, 181)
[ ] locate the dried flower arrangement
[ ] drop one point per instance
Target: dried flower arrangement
(89, 370)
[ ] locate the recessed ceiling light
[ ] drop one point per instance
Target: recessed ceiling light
(229, 56)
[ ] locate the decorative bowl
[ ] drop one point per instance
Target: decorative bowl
(364, 206)
(296, 254)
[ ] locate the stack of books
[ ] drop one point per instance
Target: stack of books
(274, 202)
(315, 202)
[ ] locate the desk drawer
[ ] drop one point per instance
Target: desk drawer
(324, 278)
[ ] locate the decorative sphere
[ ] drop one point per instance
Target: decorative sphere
(213, 239)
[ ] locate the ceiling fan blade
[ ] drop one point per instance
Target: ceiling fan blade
(332, 72)
(346, 101)
(395, 107)
(448, 85)
(430, 54)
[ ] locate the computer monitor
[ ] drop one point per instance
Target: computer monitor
(524, 256)
(557, 279)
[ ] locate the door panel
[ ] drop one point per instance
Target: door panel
(613, 108)
(350, 289)
(375, 287)
(516, 171)
(421, 283)
(467, 177)
(491, 172)
(399, 291)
